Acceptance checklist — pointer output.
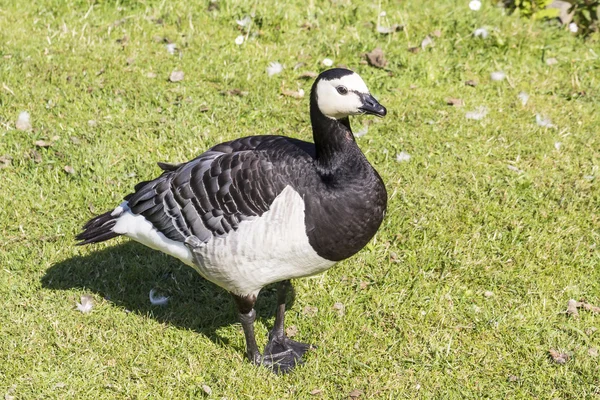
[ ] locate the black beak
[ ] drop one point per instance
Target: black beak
(371, 106)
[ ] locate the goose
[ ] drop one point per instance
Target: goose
(264, 209)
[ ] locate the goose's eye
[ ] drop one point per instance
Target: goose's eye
(342, 90)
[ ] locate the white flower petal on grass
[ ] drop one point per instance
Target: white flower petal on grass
(557, 146)
(244, 22)
(23, 121)
(498, 76)
(403, 157)
(171, 48)
(551, 61)
(382, 14)
(514, 169)
(426, 42)
(481, 32)
(86, 305)
(157, 300)
(362, 132)
(573, 27)
(274, 68)
(328, 62)
(524, 97)
(475, 5)
(543, 121)
(239, 40)
(477, 114)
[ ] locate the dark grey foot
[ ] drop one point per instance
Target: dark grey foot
(283, 354)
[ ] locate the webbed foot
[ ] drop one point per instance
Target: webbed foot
(283, 354)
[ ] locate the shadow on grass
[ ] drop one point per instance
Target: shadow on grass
(124, 275)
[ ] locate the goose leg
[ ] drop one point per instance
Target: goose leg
(281, 353)
(247, 316)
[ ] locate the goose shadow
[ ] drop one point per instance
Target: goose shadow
(125, 273)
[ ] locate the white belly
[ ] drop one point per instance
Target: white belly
(263, 250)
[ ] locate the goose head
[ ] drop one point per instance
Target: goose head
(339, 93)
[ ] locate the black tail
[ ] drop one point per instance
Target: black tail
(98, 229)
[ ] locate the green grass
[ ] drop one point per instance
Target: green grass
(460, 223)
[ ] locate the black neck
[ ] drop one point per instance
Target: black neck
(334, 142)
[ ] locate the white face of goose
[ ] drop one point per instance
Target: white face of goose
(347, 95)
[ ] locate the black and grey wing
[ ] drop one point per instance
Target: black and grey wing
(211, 195)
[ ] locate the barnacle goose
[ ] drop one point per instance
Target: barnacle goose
(264, 209)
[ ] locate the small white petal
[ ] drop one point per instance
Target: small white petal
(24, 121)
(171, 47)
(573, 27)
(384, 30)
(543, 121)
(327, 62)
(244, 22)
(157, 300)
(477, 114)
(551, 61)
(86, 305)
(274, 68)
(481, 32)
(362, 132)
(557, 146)
(524, 97)
(475, 5)
(498, 76)
(382, 14)
(239, 40)
(426, 42)
(514, 169)
(402, 156)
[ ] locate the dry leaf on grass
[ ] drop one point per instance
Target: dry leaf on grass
(293, 93)
(558, 357)
(291, 331)
(34, 155)
(376, 58)
(455, 102)
(573, 305)
(415, 49)
(316, 392)
(69, 170)
(235, 92)
(310, 311)
(471, 83)
(356, 393)
(340, 308)
(176, 76)
(5, 161)
(43, 143)
(308, 75)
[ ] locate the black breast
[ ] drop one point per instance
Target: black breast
(342, 218)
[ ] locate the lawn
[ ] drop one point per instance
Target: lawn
(493, 224)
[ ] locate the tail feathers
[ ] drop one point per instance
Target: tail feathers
(98, 229)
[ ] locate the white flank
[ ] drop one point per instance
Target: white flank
(141, 230)
(262, 250)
